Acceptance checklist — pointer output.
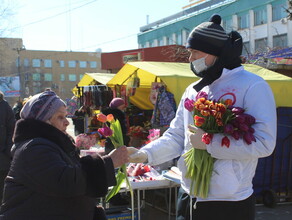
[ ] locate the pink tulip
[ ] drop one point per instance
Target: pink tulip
(189, 104)
(105, 131)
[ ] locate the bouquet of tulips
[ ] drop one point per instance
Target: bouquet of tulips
(213, 117)
(114, 132)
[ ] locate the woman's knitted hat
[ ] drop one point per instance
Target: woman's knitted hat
(42, 106)
(116, 102)
(208, 37)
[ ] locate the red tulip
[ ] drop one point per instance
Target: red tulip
(228, 129)
(199, 121)
(248, 137)
(207, 138)
(225, 141)
(236, 135)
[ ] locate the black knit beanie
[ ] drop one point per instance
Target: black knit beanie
(208, 37)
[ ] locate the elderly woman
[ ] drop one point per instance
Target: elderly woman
(47, 178)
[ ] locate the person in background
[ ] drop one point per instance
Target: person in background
(78, 120)
(47, 178)
(7, 122)
(117, 107)
(16, 109)
(215, 58)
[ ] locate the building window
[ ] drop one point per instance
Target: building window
(62, 63)
(227, 24)
(48, 77)
(26, 62)
(72, 64)
(72, 77)
(48, 63)
(246, 49)
(160, 42)
(81, 76)
(93, 64)
(167, 41)
(278, 12)
(36, 63)
(280, 41)
(82, 64)
(261, 45)
(17, 62)
(62, 77)
(26, 77)
(179, 39)
(36, 77)
(260, 17)
(243, 21)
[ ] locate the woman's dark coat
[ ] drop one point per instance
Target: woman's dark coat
(47, 179)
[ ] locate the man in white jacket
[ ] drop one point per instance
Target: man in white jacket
(214, 56)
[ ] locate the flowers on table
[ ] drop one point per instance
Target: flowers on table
(85, 141)
(136, 131)
(214, 117)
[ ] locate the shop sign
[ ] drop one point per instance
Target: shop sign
(130, 57)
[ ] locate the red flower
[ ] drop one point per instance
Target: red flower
(105, 131)
(207, 138)
(199, 121)
(248, 137)
(225, 141)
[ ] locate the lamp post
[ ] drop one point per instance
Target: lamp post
(18, 68)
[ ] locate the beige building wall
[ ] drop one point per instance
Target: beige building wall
(38, 70)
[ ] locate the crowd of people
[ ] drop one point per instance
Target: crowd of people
(44, 177)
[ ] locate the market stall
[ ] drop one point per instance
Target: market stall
(91, 93)
(177, 76)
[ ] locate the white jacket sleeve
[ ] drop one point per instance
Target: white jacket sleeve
(258, 102)
(171, 144)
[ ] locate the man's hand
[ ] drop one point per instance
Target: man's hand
(119, 156)
(136, 156)
(195, 137)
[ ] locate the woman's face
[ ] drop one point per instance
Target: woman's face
(59, 120)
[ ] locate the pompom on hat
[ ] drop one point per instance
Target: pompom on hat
(42, 106)
(116, 102)
(208, 37)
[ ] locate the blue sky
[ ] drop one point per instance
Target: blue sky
(111, 25)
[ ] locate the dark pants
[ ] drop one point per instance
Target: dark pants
(227, 210)
(3, 175)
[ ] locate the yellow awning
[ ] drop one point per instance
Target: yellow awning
(177, 76)
(92, 78)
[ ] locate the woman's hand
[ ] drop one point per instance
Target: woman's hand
(119, 156)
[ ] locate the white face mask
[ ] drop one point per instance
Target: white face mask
(200, 64)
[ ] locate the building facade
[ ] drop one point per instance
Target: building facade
(263, 24)
(38, 70)
(114, 61)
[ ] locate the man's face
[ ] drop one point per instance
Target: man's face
(59, 120)
(196, 54)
